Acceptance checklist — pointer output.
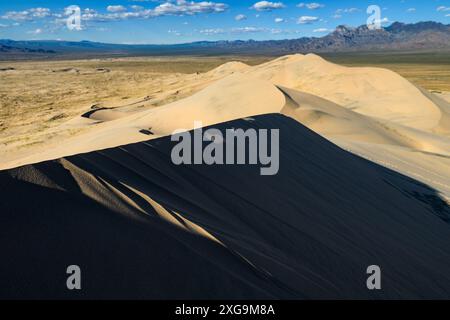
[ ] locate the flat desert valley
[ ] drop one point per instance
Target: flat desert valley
(364, 177)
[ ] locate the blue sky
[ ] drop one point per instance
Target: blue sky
(178, 21)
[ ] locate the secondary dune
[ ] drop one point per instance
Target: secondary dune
(236, 96)
(374, 92)
(334, 121)
(443, 104)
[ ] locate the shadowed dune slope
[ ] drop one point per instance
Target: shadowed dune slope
(141, 227)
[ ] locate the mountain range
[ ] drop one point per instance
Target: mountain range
(398, 36)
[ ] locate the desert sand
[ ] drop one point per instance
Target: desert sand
(357, 108)
(364, 179)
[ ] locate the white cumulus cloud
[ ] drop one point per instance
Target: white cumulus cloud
(347, 10)
(307, 19)
(248, 30)
(210, 32)
(443, 8)
(240, 17)
(320, 30)
(311, 6)
(267, 6)
(116, 8)
(29, 14)
(36, 31)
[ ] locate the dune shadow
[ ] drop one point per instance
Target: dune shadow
(309, 231)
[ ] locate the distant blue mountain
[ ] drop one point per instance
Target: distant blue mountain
(398, 36)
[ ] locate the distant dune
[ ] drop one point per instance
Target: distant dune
(364, 179)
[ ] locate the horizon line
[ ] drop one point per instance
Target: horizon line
(216, 41)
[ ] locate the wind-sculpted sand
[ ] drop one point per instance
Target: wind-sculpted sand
(349, 105)
(377, 192)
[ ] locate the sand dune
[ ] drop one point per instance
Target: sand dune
(334, 121)
(224, 231)
(370, 91)
(104, 114)
(444, 106)
(142, 227)
(228, 69)
(402, 113)
(230, 98)
(346, 105)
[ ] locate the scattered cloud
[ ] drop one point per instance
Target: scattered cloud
(307, 20)
(321, 30)
(36, 31)
(88, 10)
(30, 14)
(183, 7)
(248, 30)
(209, 32)
(384, 20)
(347, 10)
(174, 32)
(311, 6)
(268, 6)
(116, 8)
(279, 20)
(443, 8)
(119, 12)
(411, 10)
(240, 17)
(40, 12)
(137, 8)
(243, 30)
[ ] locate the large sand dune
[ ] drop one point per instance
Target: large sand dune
(371, 91)
(111, 199)
(141, 227)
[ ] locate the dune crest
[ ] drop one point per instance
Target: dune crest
(374, 92)
(229, 68)
(233, 97)
(364, 110)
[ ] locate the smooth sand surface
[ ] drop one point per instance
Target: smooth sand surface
(375, 92)
(224, 231)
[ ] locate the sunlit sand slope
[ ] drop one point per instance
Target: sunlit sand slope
(374, 92)
(233, 97)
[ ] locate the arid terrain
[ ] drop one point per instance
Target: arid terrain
(37, 99)
(364, 178)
